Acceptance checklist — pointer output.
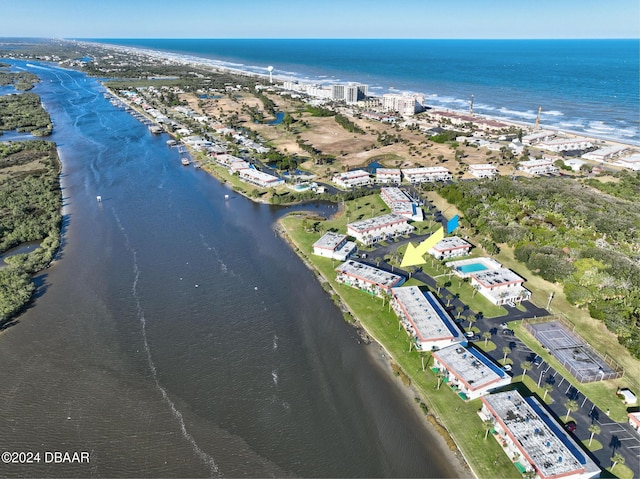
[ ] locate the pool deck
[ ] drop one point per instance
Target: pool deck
(488, 263)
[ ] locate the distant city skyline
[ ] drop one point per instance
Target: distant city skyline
(481, 19)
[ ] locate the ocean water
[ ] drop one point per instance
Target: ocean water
(586, 86)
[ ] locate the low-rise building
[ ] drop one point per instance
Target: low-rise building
(500, 286)
(631, 162)
(605, 154)
(538, 167)
(351, 179)
(566, 144)
(451, 247)
(429, 173)
(401, 204)
(334, 245)
(259, 178)
(388, 175)
(533, 439)
(469, 372)
(538, 136)
(424, 319)
(379, 228)
(483, 171)
(634, 421)
(368, 278)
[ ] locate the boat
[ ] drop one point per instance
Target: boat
(185, 161)
(172, 142)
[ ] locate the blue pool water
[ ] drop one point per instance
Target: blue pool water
(472, 268)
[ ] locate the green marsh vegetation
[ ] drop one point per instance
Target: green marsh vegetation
(30, 211)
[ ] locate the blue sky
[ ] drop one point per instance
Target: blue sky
(321, 19)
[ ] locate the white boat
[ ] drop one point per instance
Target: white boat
(185, 161)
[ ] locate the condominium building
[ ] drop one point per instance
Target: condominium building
(351, 179)
(451, 247)
(379, 228)
(485, 170)
(368, 278)
(424, 319)
(400, 203)
(533, 439)
(388, 175)
(538, 167)
(334, 245)
(468, 372)
(429, 173)
(500, 286)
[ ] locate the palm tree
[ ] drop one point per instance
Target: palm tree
(487, 425)
(505, 350)
(593, 429)
(617, 458)
(526, 366)
(459, 310)
(571, 406)
(440, 375)
(486, 336)
(472, 319)
(548, 387)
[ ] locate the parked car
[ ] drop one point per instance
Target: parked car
(508, 332)
(507, 367)
(503, 325)
(571, 426)
(537, 361)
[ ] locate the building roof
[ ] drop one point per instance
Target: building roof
(470, 366)
(363, 226)
(450, 243)
(496, 277)
(369, 274)
(388, 171)
(545, 444)
(393, 194)
(427, 316)
(427, 170)
(330, 240)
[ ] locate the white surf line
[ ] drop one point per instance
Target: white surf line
(206, 458)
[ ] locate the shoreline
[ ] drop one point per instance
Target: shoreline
(220, 65)
(383, 357)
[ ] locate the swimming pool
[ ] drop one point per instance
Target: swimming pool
(472, 268)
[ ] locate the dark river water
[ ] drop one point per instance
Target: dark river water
(178, 336)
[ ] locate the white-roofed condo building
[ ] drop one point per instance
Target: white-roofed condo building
(534, 440)
(352, 179)
(426, 174)
(483, 171)
(367, 278)
(400, 203)
(424, 319)
(468, 372)
(388, 175)
(500, 286)
(379, 228)
(451, 247)
(334, 245)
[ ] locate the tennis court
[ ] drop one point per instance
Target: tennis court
(572, 351)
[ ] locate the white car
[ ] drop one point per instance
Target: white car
(507, 367)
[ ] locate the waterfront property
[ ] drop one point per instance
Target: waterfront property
(388, 175)
(400, 203)
(468, 372)
(500, 286)
(538, 167)
(424, 319)
(426, 174)
(566, 144)
(334, 245)
(379, 228)
(352, 179)
(259, 178)
(368, 278)
(484, 170)
(631, 162)
(450, 247)
(533, 439)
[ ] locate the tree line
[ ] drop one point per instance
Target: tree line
(567, 233)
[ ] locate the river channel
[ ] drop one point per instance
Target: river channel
(177, 336)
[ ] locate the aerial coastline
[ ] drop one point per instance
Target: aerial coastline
(353, 159)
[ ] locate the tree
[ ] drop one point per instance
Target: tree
(548, 387)
(472, 319)
(487, 425)
(593, 429)
(505, 350)
(486, 336)
(526, 366)
(617, 458)
(440, 282)
(571, 406)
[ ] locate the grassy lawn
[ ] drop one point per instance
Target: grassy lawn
(595, 445)
(459, 418)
